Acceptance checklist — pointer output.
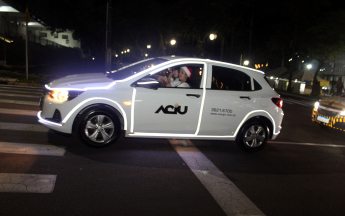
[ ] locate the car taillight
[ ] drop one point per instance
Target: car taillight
(278, 102)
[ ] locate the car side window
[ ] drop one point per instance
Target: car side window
(257, 86)
(169, 77)
(229, 79)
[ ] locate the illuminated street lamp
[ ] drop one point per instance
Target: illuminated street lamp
(128, 50)
(173, 42)
(213, 36)
(309, 66)
(148, 46)
(246, 62)
(116, 55)
(121, 52)
(146, 55)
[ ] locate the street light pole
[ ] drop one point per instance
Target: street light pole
(26, 53)
(108, 38)
(27, 19)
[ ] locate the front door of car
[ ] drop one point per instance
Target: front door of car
(171, 110)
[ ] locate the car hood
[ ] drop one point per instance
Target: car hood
(334, 101)
(81, 81)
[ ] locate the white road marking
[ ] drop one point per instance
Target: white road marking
(18, 112)
(307, 144)
(19, 87)
(300, 102)
(23, 127)
(227, 195)
(19, 95)
(25, 91)
(31, 149)
(20, 102)
(27, 183)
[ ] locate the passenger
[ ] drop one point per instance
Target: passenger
(184, 76)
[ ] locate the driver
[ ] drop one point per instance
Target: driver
(173, 79)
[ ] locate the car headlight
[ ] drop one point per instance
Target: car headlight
(316, 105)
(63, 95)
(342, 113)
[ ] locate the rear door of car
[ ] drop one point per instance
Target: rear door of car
(229, 98)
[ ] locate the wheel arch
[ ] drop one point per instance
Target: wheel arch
(262, 119)
(108, 107)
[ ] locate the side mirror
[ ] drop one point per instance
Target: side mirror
(147, 83)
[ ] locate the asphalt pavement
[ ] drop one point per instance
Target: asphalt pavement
(42, 173)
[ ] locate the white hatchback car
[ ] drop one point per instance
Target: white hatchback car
(223, 102)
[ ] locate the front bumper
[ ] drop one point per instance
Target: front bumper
(61, 127)
(336, 122)
(52, 113)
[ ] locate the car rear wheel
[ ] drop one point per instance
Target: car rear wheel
(99, 128)
(252, 137)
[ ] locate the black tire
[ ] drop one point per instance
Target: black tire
(99, 127)
(252, 136)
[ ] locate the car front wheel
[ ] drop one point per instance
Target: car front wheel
(252, 137)
(99, 128)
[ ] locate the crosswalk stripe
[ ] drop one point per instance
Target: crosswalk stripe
(31, 149)
(38, 93)
(20, 87)
(23, 127)
(32, 103)
(226, 194)
(27, 183)
(19, 95)
(18, 112)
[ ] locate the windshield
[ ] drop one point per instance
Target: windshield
(134, 68)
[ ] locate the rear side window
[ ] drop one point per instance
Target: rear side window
(230, 79)
(257, 86)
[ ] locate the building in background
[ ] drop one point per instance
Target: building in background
(44, 45)
(334, 69)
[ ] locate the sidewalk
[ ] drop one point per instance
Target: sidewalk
(14, 78)
(39, 76)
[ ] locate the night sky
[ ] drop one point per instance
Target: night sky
(261, 31)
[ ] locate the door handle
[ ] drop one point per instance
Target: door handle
(193, 95)
(245, 97)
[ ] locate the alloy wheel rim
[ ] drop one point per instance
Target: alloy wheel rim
(254, 136)
(99, 129)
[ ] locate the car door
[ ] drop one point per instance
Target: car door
(168, 110)
(228, 100)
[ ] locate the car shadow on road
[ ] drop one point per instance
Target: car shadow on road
(129, 151)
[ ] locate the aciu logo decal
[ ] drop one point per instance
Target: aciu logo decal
(170, 109)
